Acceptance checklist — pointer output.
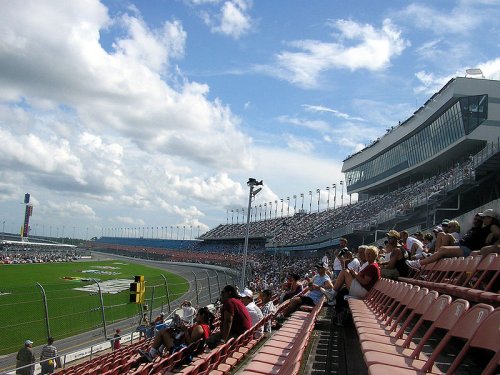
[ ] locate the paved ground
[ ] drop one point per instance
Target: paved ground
(334, 349)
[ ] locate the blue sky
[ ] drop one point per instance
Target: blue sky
(121, 114)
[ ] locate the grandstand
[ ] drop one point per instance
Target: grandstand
(442, 162)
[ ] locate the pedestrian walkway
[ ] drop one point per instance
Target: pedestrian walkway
(334, 349)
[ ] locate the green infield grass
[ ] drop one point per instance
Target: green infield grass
(72, 311)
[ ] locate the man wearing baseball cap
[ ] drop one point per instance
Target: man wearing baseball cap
(25, 360)
(246, 296)
(317, 287)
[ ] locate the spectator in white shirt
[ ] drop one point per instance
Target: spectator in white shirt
(268, 307)
(253, 310)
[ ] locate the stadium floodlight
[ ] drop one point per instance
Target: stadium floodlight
(256, 191)
(252, 183)
(474, 72)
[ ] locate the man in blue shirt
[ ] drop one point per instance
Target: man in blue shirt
(313, 296)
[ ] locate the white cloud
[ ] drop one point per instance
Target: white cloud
(299, 144)
(350, 136)
(430, 83)
(357, 47)
(68, 210)
(232, 18)
(106, 126)
(462, 19)
(317, 125)
(151, 48)
(276, 164)
(338, 114)
(129, 220)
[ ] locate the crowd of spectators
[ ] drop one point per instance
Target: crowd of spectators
(37, 256)
(305, 227)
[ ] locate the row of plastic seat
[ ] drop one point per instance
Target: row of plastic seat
(283, 352)
(127, 360)
(474, 278)
(118, 361)
(398, 322)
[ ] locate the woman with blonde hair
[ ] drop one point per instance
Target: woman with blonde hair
(358, 284)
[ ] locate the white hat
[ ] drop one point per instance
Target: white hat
(488, 213)
(28, 342)
(246, 293)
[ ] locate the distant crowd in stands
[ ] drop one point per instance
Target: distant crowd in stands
(301, 228)
(34, 256)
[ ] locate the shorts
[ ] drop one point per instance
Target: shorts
(465, 251)
(356, 290)
(307, 301)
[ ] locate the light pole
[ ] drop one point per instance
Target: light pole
(342, 192)
(232, 217)
(328, 199)
(350, 194)
(318, 191)
(237, 216)
(252, 183)
(281, 206)
(287, 206)
(335, 196)
(265, 211)
(302, 196)
(310, 200)
(294, 204)
(276, 212)
(227, 216)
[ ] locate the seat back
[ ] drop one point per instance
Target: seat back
(407, 296)
(465, 327)
(487, 337)
(412, 305)
(470, 270)
(430, 309)
(452, 266)
(441, 268)
(446, 320)
(488, 271)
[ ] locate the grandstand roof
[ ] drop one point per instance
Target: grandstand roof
(454, 123)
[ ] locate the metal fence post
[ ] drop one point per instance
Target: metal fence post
(46, 308)
(218, 281)
(209, 288)
(153, 298)
(168, 293)
(196, 289)
(102, 309)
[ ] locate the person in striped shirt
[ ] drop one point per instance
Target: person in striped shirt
(49, 358)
